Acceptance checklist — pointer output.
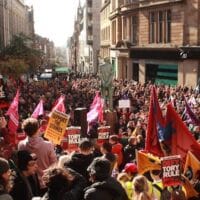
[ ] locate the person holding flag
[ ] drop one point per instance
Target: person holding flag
(39, 110)
(13, 114)
(94, 116)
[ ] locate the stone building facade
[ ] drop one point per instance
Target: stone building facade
(105, 29)
(15, 18)
(156, 40)
(48, 49)
(85, 42)
(93, 32)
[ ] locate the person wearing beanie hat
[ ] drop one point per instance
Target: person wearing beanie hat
(4, 179)
(103, 185)
(26, 183)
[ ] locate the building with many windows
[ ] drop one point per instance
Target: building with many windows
(156, 40)
(48, 50)
(105, 27)
(15, 18)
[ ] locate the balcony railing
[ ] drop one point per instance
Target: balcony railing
(147, 3)
(130, 5)
(134, 4)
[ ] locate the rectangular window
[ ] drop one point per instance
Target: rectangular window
(152, 27)
(160, 26)
(124, 28)
(134, 30)
(114, 32)
(168, 27)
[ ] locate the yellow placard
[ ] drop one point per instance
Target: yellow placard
(56, 127)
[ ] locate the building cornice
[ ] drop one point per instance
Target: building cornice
(105, 5)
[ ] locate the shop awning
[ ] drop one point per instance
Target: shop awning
(62, 70)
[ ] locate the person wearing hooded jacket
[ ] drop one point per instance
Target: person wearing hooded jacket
(79, 161)
(103, 185)
(33, 143)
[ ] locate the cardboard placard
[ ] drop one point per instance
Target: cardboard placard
(124, 103)
(56, 127)
(103, 134)
(171, 170)
(73, 137)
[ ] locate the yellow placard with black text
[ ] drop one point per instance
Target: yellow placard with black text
(56, 127)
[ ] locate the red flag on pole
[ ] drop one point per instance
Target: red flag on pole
(13, 114)
(39, 110)
(96, 109)
(179, 138)
(59, 105)
(155, 122)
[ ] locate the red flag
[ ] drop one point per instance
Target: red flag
(59, 105)
(179, 138)
(155, 122)
(96, 109)
(39, 110)
(13, 114)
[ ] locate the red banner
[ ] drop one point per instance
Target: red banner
(71, 140)
(103, 134)
(171, 170)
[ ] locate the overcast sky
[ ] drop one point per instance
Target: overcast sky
(54, 19)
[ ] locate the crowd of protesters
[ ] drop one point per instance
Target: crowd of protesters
(108, 172)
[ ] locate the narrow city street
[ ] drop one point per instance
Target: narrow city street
(99, 99)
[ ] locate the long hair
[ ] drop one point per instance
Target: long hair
(57, 181)
(140, 186)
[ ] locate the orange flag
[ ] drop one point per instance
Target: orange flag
(147, 162)
(189, 189)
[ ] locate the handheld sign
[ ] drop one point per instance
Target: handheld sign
(56, 127)
(124, 103)
(171, 170)
(73, 136)
(103, 134)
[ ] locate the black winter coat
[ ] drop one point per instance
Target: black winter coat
(25, 188)
(110, 189)
(80, 163)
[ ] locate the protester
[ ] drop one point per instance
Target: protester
(103, 185)
(63, 184)
(130, 149)
(4, 180)
(26, 184)
(106, 150)
(157, 183)
(79, 161)
(140, 188)
(117, 149)
(44, 150)
(126, 178)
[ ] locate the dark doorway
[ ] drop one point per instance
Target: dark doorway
(151, 72)
(135, 72)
